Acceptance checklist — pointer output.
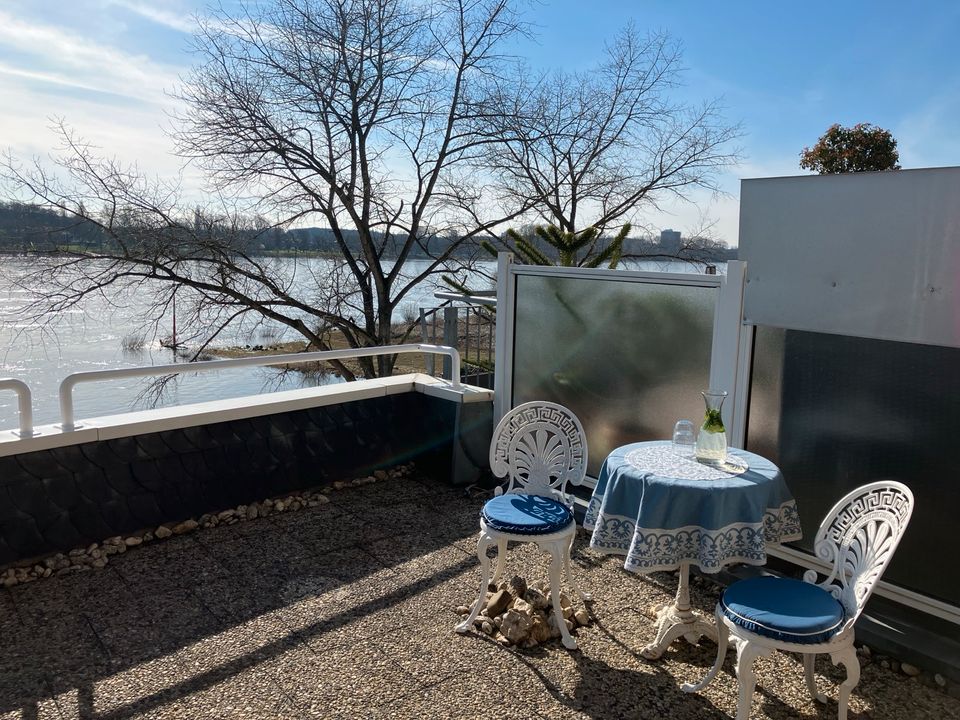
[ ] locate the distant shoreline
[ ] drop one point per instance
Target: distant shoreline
(325, 255)
(260, 253)
(312, 254)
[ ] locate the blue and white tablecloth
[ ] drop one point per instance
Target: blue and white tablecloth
(661, 509)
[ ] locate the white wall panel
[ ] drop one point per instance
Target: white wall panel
(872, 255)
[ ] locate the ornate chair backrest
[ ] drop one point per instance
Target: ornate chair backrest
(858, 537)
(539, 446)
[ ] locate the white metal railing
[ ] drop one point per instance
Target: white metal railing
(469, 328)
(479, 298)
(71, 381)
(24, 401)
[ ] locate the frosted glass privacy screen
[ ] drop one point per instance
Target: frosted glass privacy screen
(629, 358)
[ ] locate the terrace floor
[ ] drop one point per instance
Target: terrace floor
(347, 610)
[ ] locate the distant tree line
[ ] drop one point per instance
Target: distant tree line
(26, 227)
(31, 228)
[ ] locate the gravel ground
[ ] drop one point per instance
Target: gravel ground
(347, 611)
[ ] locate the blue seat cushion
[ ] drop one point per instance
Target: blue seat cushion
(526, 514)
(783, 609)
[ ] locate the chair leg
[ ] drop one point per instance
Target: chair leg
(501, 560)
(808, 660)
(483, 544)
(556, 550)
(747, 653)
(723, 636)
(848, 658)
(566, 566)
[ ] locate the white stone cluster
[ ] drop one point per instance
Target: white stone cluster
(97, 555)
(930, 679)
(516, 613)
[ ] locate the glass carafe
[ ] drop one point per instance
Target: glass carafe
(711, 447)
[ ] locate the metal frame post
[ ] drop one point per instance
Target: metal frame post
(503, 349)
(726, 356)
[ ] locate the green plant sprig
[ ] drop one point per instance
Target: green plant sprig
(713, 422)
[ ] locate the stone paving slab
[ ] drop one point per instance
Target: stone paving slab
(347, 610)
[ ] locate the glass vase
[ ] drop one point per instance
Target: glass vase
(711, 447)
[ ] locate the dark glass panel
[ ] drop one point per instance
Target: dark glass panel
(835, 412)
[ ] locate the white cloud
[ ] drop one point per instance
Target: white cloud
(112, 98)
(705, 208)
(44, 77)
(57, 55)
(175, 21)
(131, 132)
(926, 136)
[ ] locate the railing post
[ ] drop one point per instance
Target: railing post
(451, 333)
(428, 358)
(24, 404)
(66, 404)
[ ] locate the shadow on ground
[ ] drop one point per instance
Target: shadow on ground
(346, 610)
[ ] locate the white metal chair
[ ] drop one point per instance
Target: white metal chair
(857, 539)
(539, 446)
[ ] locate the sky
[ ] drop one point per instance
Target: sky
(784, 71)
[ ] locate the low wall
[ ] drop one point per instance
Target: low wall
(122, 473)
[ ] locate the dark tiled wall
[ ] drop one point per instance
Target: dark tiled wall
(55, 500)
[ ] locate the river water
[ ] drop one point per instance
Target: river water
(97, 334)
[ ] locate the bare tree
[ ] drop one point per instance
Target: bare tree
(596, 148)
(368, 115)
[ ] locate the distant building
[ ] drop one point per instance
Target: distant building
(670, 241)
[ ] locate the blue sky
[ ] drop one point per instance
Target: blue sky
(786, 71)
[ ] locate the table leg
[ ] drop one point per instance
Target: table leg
(677, 620)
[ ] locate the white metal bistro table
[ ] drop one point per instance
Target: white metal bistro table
(664, 511)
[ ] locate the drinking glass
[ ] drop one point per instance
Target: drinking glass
(684, 438)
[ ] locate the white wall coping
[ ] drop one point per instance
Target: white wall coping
(142, 422)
